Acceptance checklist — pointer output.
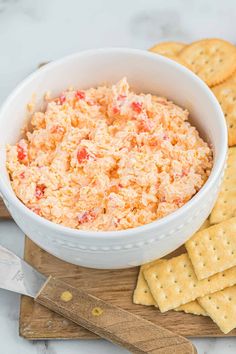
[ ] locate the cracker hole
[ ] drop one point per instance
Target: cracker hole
(208, 280)
(194, 285)
(218, 258)
(230, 298)
(231, 126)
(200, 254)
(190, 275)
(156, 276)
(209, 297)
(225, 317)
(185, 265)
(220, 60)
(217, 307)
(175, 281)
(145, 291)
(232, 252)
(223, 275)
(228, 243)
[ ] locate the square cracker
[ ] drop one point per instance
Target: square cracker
(221, 307)
(225, 207)
(143, 296)
(214, 249)
(174, 283)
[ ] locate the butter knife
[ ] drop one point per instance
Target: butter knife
(108, 321)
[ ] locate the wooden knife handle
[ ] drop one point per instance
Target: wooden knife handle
(110, 322)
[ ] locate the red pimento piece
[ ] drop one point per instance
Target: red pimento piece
(185, 172)
(86, 216)
(62, 99)
(39, 191)
(21, 153)
(82, 155)
(137, 107)
(121, 97)
(22, 175)
(80, 95)
(116, 110)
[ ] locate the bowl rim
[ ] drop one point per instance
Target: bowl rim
(218, 165)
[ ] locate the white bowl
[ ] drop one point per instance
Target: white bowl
(146, 72)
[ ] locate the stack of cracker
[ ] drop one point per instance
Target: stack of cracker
(202, 281)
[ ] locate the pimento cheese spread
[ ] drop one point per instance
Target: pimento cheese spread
(107, 158)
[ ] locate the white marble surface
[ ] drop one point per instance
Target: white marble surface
(41, 30)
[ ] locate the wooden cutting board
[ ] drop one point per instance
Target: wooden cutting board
(115, 286)
(3, 211)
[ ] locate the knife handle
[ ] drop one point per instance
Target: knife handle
(110, 322)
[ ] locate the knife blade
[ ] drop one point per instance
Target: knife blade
(17, 275)
(106, 320)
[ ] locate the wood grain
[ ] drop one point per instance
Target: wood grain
(111, 322)
(115, 286)
(4, 214)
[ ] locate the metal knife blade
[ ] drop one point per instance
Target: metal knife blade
(17, 275)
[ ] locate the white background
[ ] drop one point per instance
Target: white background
(33, 31)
